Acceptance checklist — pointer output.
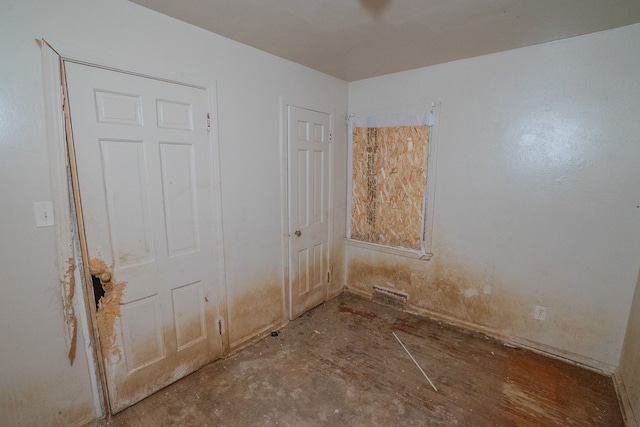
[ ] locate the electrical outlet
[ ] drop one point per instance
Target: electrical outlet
(540, 312)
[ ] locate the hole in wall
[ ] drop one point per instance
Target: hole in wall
(98, 290)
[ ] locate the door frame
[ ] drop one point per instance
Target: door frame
(285, 103)
(72, 262)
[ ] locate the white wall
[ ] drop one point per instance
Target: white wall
(629, 370)
(37, 385)
(536, 188)
(537, 193)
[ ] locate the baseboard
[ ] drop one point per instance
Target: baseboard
(565, 356)
(250, 339)
(357, 292)
(545, 350)
(626, 408)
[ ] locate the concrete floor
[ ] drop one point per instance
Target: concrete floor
(339, 365)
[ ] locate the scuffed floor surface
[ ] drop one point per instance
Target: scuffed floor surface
(339, 365)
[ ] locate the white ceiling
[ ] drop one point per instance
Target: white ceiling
(356, 39)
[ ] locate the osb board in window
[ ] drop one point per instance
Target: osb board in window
(389, 181)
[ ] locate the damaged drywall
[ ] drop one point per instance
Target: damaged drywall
(108, 306)
(68, 285)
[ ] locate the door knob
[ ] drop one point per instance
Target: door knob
(298, 233)
(105, 277)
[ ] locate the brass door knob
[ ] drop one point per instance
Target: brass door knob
(298, 233)
(105, 277)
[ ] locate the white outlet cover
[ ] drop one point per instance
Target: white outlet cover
(43, 212)
(540, 312)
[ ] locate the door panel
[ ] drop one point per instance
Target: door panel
(143, 158)
(127, 201)
(309, 151)
(181, 211)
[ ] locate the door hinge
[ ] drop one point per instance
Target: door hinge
(328, 276)
(220, 326)
(208, 122)
(330, 136)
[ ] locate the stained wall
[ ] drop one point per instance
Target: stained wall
(536, 193)
(536, 189)
(37, 384)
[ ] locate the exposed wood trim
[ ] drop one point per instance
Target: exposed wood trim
(126, 65)
(58, 128)
(217, 211)
(58, 162)
(87, 280)
(426, 251)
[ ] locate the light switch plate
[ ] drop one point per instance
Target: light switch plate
(43, 212)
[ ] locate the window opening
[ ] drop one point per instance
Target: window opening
(389, 177)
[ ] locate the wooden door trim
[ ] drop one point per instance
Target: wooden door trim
(285, 103)
(70, 261)
(71, 248)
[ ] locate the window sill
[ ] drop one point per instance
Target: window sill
(408, 253)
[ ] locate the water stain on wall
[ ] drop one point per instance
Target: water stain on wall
(254, 310)
(474, 297)
(467, 295)
(441, 287)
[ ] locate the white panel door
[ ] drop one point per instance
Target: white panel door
(309, 167)
(144, 165)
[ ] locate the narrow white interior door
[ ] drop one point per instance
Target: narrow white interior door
(309, 167)
(144, 167)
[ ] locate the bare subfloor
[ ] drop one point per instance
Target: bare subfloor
(339, 365)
